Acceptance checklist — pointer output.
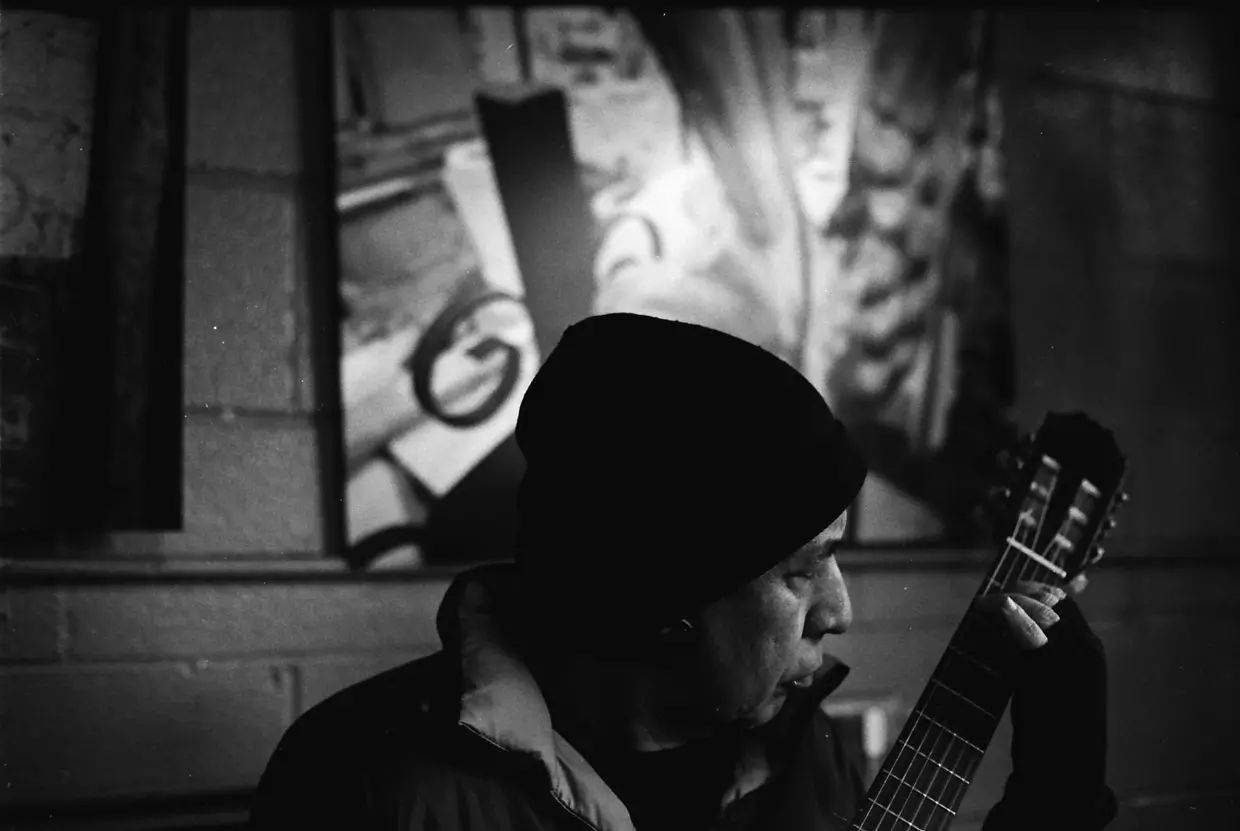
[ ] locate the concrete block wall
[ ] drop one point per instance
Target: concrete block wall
(1120, 132)
(153, 693)
(149, 696)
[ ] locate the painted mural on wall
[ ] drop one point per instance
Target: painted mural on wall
(828, 186)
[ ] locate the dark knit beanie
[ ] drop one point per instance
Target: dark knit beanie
(667, 465)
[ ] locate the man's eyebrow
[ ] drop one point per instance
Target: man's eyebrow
(825, 551)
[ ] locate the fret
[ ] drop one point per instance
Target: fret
(925, 725)
(916, 768)
(973, 679)
(1037, 558)
(926, 810)
(962, 719)
(910, 804)
(929, 768)
(1031, 570)
(962, 697)
(940, 685)
(934, 762)
(897, 817)
(928, 771)
(918, 780)
(1018, 566)
(953, 757)
(929, 780)
(975, 661)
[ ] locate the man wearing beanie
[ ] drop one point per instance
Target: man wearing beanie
(657, 658)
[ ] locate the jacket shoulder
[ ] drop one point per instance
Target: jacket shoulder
(404, 697)
(388, 752)
(328, 764)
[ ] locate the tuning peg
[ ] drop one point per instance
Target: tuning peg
(1109, 524)
(1096, 554)
(1124, 497)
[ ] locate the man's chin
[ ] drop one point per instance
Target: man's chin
(765, 712)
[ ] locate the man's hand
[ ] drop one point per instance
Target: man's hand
(1027, 612)
(1058, 714)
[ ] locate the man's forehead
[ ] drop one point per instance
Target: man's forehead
(833, 533)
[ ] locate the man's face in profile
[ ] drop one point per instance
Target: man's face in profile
(768, 635)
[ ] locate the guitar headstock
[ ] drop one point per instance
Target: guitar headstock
(1065, 486)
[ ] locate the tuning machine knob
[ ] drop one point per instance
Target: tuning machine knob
(1096, 554)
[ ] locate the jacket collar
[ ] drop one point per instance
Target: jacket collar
(502, 704)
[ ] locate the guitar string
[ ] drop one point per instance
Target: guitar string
(1029, 568)
(1023, 566)
(952, 742)
(953, 754)
(964, 760)
(963, 753)
(921, 756)
(930, 728)
(1055, 551)
(1002, 577)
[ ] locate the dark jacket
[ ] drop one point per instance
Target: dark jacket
(463, 740)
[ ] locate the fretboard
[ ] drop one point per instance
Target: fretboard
(928, 770)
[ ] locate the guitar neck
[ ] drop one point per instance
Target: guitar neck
(928, 770)
(1071, 475)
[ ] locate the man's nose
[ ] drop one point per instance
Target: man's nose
(832, 610)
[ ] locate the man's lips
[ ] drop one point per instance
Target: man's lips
(801, 683)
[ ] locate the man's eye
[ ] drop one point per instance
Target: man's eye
(815, 569)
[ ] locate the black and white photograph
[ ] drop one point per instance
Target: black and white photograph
(508, 418)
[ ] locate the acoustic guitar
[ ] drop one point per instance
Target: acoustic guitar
(1066, 487)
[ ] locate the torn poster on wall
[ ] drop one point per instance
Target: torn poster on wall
(827, 185)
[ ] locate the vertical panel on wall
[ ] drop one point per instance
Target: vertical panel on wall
(548, 215)
(105, 211)
(44, 167)
(322, 54)
(123, 415)
(27, 384)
